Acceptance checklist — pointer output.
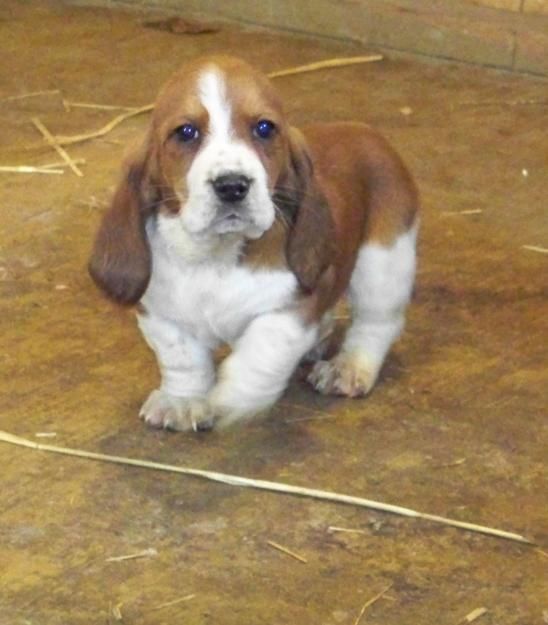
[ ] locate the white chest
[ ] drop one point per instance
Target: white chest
(215, 301)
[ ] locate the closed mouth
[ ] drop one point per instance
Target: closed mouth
(230, 216)
(230, 221)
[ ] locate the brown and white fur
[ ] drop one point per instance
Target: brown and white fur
(327, 210)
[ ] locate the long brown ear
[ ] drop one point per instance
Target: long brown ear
(120, 262)
(310, 244)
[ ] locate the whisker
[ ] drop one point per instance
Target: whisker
(162, 200)
(293, 192)
(282, 218)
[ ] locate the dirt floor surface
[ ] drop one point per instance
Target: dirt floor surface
(456, 426)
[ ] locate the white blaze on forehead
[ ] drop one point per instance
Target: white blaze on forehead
(212, 91)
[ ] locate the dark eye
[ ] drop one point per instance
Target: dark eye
(187, 133)
(264, 129)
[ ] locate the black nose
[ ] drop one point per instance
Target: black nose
(231, 187)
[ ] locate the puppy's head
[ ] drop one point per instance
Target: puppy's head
(222, 138)
(218, 160)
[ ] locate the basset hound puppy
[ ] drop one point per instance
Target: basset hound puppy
(229, 226)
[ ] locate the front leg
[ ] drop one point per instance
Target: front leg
(187, 372)
(257, 371)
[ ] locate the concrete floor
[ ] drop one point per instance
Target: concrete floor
(456, 426)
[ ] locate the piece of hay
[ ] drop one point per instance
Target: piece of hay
(167, 604)
(312, 67)
(455, 463)
(346, 530)
(371, 602)
(474, 615)
(535, 248)
(318, 417)
(470, 211)
(287, 551)
(116, 612)
(278, 487)
(27, 169)
(69, 140)
(327, 64)
(314, 414)
(69, 104)
(146, 553)
(32, 94)
(518, 102)
(55, 145)
(60, 164)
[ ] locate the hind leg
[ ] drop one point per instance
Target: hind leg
(380, 289)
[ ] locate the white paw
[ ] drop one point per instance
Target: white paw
(346, 374)
(176, 413)
(228, 414)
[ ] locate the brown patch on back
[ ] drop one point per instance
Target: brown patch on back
(371, 197)
(370, 191)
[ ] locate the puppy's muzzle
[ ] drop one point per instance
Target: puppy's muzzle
(231, 188)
